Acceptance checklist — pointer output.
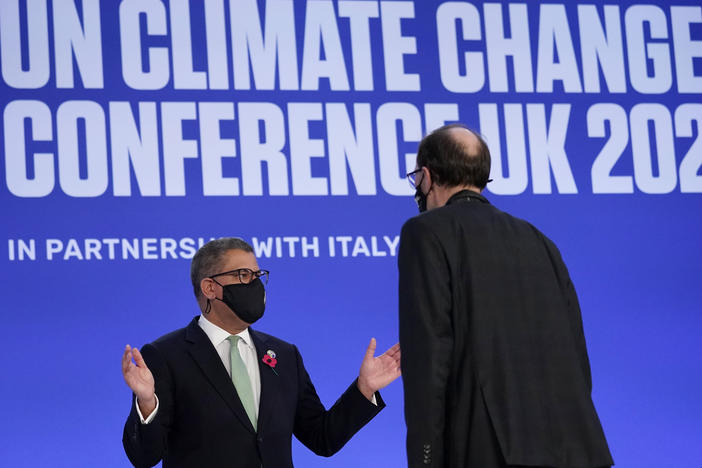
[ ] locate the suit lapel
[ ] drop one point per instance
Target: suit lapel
(208, 360)
(268, 381)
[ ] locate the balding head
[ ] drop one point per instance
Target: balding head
(455, 156)
(467, 139)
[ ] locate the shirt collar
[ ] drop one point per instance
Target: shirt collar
(217, 334)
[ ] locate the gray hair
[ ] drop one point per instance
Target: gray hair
(207, 259)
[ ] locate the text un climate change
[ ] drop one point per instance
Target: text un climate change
(474, 52)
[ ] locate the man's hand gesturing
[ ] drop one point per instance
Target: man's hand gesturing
(377, 372)
(139, 378)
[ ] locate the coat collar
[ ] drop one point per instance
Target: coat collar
(269, 379)
(206, 357)
(466, 195)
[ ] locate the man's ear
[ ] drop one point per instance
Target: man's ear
(426, 175)
(207, 286)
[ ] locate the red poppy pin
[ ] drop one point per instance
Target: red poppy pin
(270, 360)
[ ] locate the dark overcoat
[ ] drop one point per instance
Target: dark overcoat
(495, 368)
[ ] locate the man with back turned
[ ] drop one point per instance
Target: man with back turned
(495, 367)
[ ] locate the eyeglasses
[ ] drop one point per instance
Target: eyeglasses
(412, 176)
(245, 275)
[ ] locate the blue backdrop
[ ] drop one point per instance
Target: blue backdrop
(135, 130)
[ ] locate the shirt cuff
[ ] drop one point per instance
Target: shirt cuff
(373, 400)
(153, 413)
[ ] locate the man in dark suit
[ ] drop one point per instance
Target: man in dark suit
(219, 394)
(495, 368)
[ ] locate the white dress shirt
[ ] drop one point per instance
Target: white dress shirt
(247, 351)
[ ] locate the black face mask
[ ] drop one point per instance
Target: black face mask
(247, 301)
(421, 199)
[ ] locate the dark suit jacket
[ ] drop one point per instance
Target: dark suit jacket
(201, 422)
(494, 363)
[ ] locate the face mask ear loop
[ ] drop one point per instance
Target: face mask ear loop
(209, 306)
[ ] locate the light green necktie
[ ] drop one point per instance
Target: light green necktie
(241, 380)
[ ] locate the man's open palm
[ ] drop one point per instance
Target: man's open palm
(378, 372)
(137, 374)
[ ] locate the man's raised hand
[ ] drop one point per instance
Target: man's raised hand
(139, 378)
(377, 372)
